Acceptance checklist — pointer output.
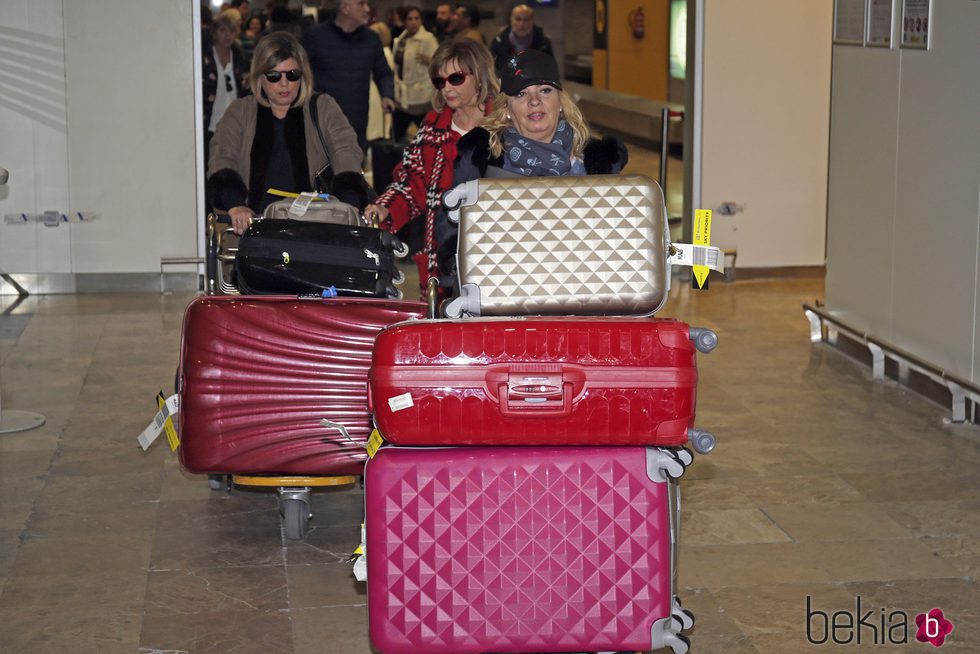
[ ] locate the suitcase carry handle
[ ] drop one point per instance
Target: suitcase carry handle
(527, 407)
(535, 390)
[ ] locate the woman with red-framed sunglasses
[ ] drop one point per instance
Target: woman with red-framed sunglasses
(464, 84)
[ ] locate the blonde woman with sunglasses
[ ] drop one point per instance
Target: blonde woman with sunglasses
(269, 140)
(464, 87)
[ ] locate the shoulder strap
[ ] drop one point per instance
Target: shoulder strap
(314, 116)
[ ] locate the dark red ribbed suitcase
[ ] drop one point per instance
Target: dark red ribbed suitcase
(537, 381)
(257, 374)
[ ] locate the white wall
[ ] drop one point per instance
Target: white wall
(765, 117)
(97, 115)
(33, 142)
(904, 199)
(131, 140)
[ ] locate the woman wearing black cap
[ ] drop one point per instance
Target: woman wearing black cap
(534, 129)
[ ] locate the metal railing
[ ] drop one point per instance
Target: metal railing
(823, 326)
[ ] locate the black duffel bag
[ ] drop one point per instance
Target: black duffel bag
(293, 257)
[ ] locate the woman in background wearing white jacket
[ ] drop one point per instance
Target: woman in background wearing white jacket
(413, 89)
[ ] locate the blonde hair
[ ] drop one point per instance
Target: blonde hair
(271, 50)
(472, 58)
(499, 120)
(226, 20)
(382, 31)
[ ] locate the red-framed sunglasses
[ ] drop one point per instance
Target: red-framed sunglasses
(455, 79)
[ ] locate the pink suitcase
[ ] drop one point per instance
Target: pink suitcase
(537, 381)
(257, 374)
(523, 549)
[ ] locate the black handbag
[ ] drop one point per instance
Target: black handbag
(323, 179)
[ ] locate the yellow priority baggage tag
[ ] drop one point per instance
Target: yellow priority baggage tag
(168, 425)
(702, 236)
(374, 442)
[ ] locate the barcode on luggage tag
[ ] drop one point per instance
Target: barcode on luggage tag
(301, 204)
(705, 257)
(401, 402)
(686, 254)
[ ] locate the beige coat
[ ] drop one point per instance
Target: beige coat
(414, 87)
(231, 145)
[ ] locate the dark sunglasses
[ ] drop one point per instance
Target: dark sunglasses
(228, 86)
(455, 79)
(291, 75)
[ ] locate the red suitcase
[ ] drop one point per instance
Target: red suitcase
(257, 374)
(522, 549)
(537, 381)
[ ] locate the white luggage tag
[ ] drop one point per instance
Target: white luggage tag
(358, 558)
(301, 205)
(170, 407)
(685, 254)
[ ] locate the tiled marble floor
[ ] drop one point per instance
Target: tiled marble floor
(823, 484)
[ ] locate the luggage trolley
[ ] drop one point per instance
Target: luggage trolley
(294, 493)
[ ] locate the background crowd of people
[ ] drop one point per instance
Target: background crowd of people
(288, 107)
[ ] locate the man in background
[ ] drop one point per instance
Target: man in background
(522, 34)
(344, 54)
(445, 22)
(467, 23)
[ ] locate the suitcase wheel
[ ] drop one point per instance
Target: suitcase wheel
(219, 482)
(702, 440)
(296, 516)
(683, 618)
(685, 456)
(679, 643)
(399, 276)
(673, 467)
(400, 250)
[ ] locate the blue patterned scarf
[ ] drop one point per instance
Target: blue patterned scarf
(532, 158)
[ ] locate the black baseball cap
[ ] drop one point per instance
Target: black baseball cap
(528, 68)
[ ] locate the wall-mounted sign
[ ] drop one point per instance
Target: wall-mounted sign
(880, 14)
(849, 22)
(916, 22)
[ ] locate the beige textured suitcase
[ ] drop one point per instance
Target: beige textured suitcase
(593, 245)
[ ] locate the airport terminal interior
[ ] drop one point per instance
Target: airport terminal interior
(835, 509)
(824, 485)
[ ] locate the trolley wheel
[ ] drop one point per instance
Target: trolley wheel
(295, 517)
(216, 482)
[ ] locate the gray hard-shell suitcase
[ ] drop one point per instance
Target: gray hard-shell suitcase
(591, 245)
